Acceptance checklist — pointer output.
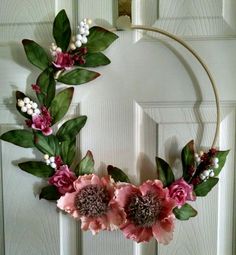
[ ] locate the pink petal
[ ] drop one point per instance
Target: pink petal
(116, 216)
(131, 231)
(47, 131)
(66, 202)
(122, 194)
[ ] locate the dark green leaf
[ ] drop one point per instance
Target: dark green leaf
(99, 39)
(71, 128)
(62, 30)
(164, 172)
(60, 104)
(78, 76)
(203, 188)
(86, 165)
(37, 168)
(117, 174)
(20, 137)
(47, 85)
(49, 193)
(36, 54)
(187, 156)
(96, 59)
(20, 95)
(47, 144)
(68, 150)
(185, 212)
(221, 155)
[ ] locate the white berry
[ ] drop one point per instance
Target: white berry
(34, 105)
(20, 103)
(84, 39)
(79, 37)
(216, 165)
(202, 177)
(215, 160)
(86, 32)
(86, 26)
(201, 153)
(81, 24)
(30, 111)
(72, 46)
(23, 109)
(81, 30)
(52, 159)
(53, 165)
(48, 162)
(206, 173)
(46, 156)
(29, 106)
(37, 111)
(26, 100)
(78, 43)
(58, 49)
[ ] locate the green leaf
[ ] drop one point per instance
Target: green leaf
(36, 54)
(86, 165)
(37, 168)
(96, 59)
(221, 155)
(99, 39)
(68, 150)
(62, 30)
(203, 188)
(78, 76)
(117, 174)
(47, 144)
(185, 212)
(187, 156)
(60, 104)
(164, 172)
(22, 138)
(49, 193)
(71, 128)
(47, 85)
(20, 95)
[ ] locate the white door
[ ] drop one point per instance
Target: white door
(151, 100)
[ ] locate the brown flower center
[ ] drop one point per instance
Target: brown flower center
(143, 210)
(92, 201)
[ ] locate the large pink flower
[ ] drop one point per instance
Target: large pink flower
(42, 121)
(149, 212)
(93, 203)
(181, 191)
(63, 179)
(63, 61)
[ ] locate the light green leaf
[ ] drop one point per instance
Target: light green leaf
(164, 172)
(86, 165)
(60, 104)
(36, 54)
(204, 188)
(221, 155)
(78, 76)
(185, 212)
(68, 151)
(117, 174)
(22, 138)
(37, 168)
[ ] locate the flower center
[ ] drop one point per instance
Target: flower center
(92, 201)
(143, 210)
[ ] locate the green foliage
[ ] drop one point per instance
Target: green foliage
(96, 59)
(117, 174)
(60, 104)
(22, 138)
(185, 212)
(86, 165)
(187, 156)
(99, 39)
(221, 155)
(204, 188)
(36, 54)
(62, 30)
(47, 85)
(37, 168)
(164, 172)
(78, 76)
(68, 151)
(49, 193)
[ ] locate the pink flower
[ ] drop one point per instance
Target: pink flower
(63, 179)
(181, 191)
(149, 212)
(93, 203)
(63, 61)
(42, 121)
(36, 88)
(58, 161)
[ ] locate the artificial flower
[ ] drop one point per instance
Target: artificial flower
(42, 121)
(63, 179)
(36, 88)
(181, 191)
(149, 211)
(63, 61)
(93, 202)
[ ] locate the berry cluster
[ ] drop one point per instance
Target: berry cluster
(28, 106)
(55, 50)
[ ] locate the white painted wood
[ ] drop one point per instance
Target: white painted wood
(188, 18)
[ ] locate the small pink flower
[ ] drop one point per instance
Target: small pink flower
(42, 121)
(181, 191)
(63, 179)
(63, 61)
(149, 212)
(93, 202)
(36, 88)
(58, 161)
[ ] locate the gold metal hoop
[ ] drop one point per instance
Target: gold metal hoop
(194, 53)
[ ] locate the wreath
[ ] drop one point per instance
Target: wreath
(109, 202)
